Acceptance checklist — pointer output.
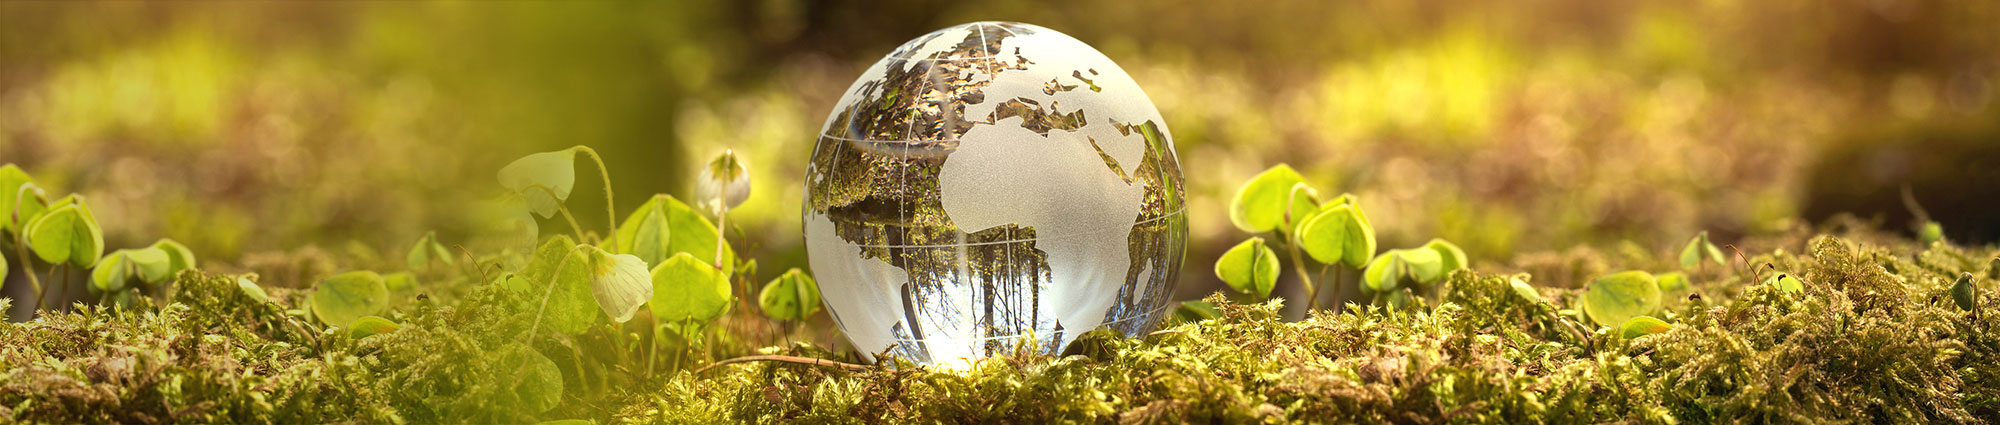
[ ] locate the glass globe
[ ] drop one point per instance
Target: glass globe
(990, 187)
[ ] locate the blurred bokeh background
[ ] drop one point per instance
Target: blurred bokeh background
(1507, 127)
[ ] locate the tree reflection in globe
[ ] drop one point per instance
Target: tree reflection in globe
(989, 183)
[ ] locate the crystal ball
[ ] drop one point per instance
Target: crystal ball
(993, 188)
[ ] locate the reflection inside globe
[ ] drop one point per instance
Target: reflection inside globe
(990, 188)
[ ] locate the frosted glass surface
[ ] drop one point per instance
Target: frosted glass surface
(990, 186)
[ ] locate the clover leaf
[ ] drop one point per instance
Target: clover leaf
(554, 170)
(792, 296)
(1697, 248)
(1426, 266)
(685, 287)
(690, 233)
(1250, 267)
(179, 257)
(1260, 205)
(620, 283)
(537, 382)
(1338, 235)
(1641, 326)
(647, 233)
(368, 326)
(1195, 311)
(3, 271)
(557, 280)
(1385, 272)
(111, 273)
(1612, 299)
(12, 179)
(1450, 257)
(151, 264)
(67, 234)
(343, 298)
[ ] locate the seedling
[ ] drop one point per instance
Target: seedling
(1672, 281)
(368, 326)
(1250, 268)
(1412, 268)
(1965, 294)
(792, 296)
(1699, 247)
(426, 250)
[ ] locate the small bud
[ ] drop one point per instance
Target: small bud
(725, 179)
(1963, 292)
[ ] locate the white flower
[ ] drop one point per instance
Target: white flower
(727, 178)
(620, 283)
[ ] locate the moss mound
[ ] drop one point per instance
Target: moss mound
(1874, 336)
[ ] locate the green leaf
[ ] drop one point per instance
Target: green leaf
(251, 290)
(1259, 206)
(368, 326)
(553, 170)
(346, 297)
(1384, 273)
(179, 257)
(1696, 247)
(647, 233)
(693, 234)
(568, 306)
(1250, 267)
(1673, 281)
(1963, 293)
(111, 273)
(3, 271)
(1338, 234)
(792, 296)
(152, 265)
(1992, 269)
(1617, 297)
(1641, 326)
(1450, 257)
(1195, 311)
(619, 282)
(537, 382)
(1426, 266)
(685, 287)
(1786, 283)
(67, 234)
(426, 249)
(400, 281)
(1522, 288)
(11, 180)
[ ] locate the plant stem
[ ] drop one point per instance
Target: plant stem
(21, 251)
(610, 208)
(1299, 265)
(573, 227)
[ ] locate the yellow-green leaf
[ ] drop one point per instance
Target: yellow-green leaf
(1450, 257)
(400, 281)
(1338, 235)
(1695, 250)
(1250, 267)
(1522, 288)
(1963, 293)
(1615, 298)
(558, 284)
(1641, 326)
(694, 234)
(537, 382)
(1259, 206)
(647, 233)
(1385, 272)
(685, 287)
(179, 257)
(111, 273)
(792, 296)
(152, 265)
(426, 250)
(1785, 283)
(1426, 266)
(343, 298)
(250, 289)
(553, 170)
(11, 180)
(66, 234)
(368, 326)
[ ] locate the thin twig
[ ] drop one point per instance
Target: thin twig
(785, 359)
(474, 261)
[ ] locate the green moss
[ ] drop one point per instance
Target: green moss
(1873, 337)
